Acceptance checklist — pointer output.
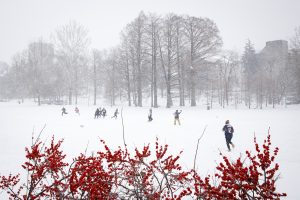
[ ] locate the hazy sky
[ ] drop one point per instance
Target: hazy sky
(24, 21)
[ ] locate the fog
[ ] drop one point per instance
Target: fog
(23, 22)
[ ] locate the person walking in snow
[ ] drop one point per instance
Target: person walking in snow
(77, 110)
(103, 111)
(97, 113)
(116, 114)
(64, 111)
(150, 115)
(176, 117)
(228, 130)
(100, 111)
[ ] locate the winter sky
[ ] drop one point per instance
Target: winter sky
(24, 21)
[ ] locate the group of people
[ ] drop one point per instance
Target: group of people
(101, 112)
(227, 128)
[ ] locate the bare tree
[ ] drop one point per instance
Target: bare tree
(295, 40)
(4, 80)
(167, 48)
(125, 59)
(152, 30)
(228, 64)
(136, 33)
(71, 42)
(96, 62)
(40, 61)
(19, 79)
(179, 58)
(203, 40)
(167, 53)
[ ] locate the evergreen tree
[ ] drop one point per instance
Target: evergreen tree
(250, 67)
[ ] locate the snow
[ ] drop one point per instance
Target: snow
(18, 122)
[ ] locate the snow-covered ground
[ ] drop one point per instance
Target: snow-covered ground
(19, 121)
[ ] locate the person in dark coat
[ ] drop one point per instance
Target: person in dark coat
(116, 114)
(228, 130)
(103, 111)
(100, 112)
(176, 117)
(150, 115)
(64, 111)
(97, 113)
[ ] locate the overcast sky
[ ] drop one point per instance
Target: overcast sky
(24, 21)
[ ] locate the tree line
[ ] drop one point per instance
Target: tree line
(160, 61)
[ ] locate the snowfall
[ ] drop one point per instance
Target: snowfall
(19, 122)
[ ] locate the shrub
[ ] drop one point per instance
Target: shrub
(143, 175)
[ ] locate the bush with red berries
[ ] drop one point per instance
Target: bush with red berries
(250, 178)
(118, 174)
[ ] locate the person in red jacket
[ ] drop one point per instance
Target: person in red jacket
(77, 110)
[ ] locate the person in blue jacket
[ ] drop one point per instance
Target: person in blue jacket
(228, 130)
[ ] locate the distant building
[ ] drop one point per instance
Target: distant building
(278, 46)
(294, 64)
(274, 56)
(273, 61)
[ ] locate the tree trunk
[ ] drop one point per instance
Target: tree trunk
(39, 99)
(193, 89)
(128, 81)
(139, 72)
(95, 80)
(70, 96)
(154, 53)
(192, 71)
(113, 85)
(179, 68)
(155, 105)
(168, 81)
(169, 97)
(76, 85)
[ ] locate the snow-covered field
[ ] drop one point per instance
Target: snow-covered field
(19, 121)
